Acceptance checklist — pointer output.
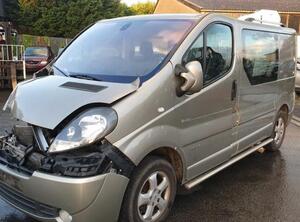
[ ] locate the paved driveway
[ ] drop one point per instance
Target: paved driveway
(261, 187)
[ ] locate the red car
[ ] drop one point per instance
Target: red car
(37, 58)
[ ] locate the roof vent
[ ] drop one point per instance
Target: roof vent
(264, 16)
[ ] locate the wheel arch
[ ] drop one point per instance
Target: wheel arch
(285, 108)
(173, 156)
(164, 141)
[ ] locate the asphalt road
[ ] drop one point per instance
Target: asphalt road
(261, 187)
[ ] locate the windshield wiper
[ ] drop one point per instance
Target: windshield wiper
(82, 76)
(59, 70)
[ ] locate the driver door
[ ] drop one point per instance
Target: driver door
(208, 117)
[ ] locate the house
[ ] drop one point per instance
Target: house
(289, 10)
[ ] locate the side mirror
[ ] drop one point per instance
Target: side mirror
(191, 78)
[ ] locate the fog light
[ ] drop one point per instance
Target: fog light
(64, 216)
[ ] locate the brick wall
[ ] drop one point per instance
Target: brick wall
(172, 6)
(175, 6)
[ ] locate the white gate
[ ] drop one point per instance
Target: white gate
(13, 53)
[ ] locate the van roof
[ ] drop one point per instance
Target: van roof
(265, 27)
(160, 16)
(253, 25)
(195, 17)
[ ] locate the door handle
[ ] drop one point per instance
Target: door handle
(234, 90)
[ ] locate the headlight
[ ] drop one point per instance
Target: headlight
(85, 129)
(44, 62)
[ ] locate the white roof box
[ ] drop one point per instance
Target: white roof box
(264, 16)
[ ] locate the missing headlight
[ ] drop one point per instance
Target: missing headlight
(95, 159)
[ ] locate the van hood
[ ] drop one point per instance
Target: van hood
(47, 101)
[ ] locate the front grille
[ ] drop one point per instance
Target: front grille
(28, 205)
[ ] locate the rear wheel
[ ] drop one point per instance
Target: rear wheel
(150, 193)
(278, 132)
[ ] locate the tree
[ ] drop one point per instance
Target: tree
(65, 18)
(143, 8)
(11, 9)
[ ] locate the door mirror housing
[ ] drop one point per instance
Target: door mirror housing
(191, 77)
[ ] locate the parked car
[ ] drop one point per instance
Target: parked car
(298, 77)
(37, 58)
(163, 101)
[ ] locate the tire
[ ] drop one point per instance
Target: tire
(278, 132)
(142, 182)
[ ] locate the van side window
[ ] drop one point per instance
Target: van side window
(287, 54)
(261, 56)
(218, 51)
(216, 55)
(195, 53)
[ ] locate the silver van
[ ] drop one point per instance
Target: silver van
(297, 87)
(138, 108)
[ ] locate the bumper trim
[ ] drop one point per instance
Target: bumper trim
(26, 204)
(60, 192)
(51, 198)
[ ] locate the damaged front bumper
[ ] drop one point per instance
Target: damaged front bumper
(53, 198)
(84, 185)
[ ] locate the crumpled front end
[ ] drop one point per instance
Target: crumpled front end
(57, 165)
(48, 101)
(65, 186)
(25, 149)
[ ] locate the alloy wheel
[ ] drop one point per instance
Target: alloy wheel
(154, 196)
(279, 130)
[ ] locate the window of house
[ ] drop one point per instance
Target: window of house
(213, 49)
(261, 56)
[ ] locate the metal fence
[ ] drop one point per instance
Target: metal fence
(54, 42)
(13, 53)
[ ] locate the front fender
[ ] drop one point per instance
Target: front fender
(137, 145)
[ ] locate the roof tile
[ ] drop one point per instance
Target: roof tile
(247, 5)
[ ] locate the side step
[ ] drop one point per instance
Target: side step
(240, 156)
(296, 121)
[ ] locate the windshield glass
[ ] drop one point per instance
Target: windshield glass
(121, 50)
(36, 51)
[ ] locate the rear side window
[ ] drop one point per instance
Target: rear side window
(213, 49)
(261, 56)
(287, 54)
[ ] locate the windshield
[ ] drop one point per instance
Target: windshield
(121, 50)
(36, 51)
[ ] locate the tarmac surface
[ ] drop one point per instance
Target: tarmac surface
(261, 187)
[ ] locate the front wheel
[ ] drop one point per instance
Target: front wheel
(278, 132)
(150, 193)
